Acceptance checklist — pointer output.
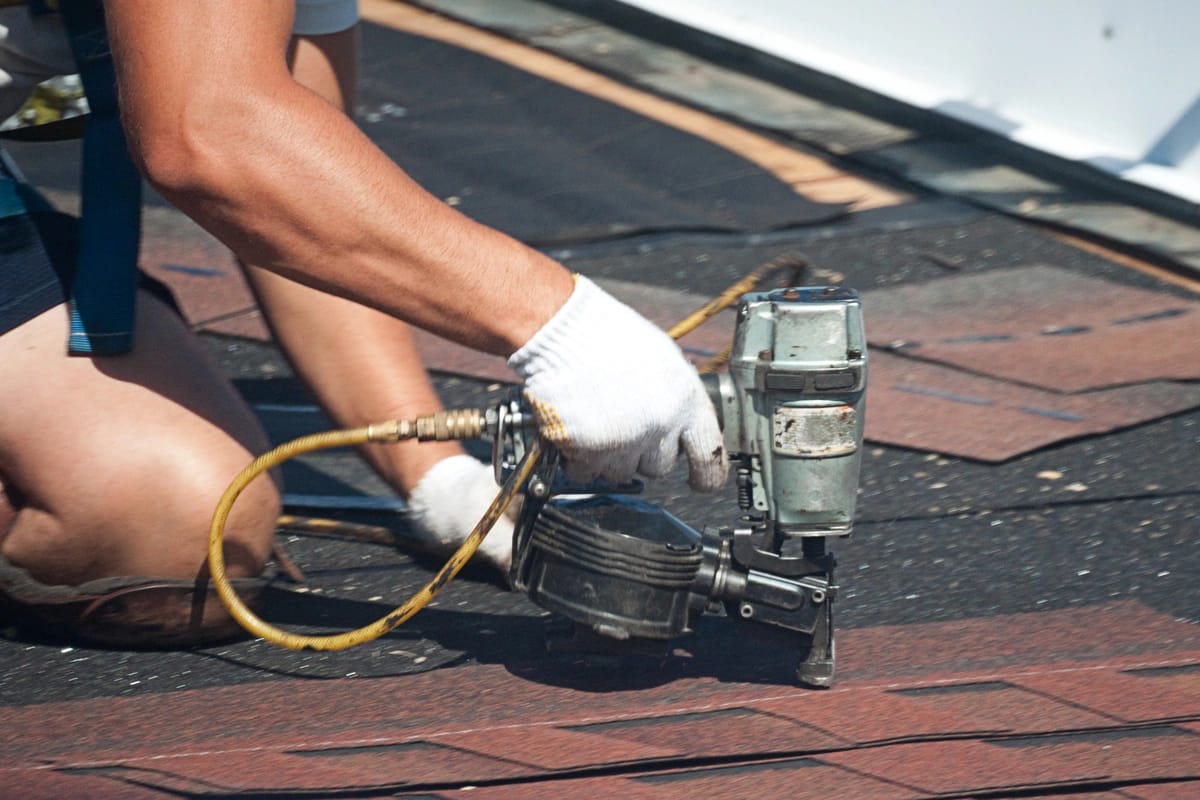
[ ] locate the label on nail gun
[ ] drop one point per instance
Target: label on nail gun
(808, 432)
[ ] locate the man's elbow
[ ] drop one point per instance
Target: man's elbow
(177, 160)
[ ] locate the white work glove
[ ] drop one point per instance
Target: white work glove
(448, 501)
(615, 395)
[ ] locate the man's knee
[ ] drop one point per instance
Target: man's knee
(133, 574)
(180, 502)
(146, 512)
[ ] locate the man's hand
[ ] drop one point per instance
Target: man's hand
(616, 396)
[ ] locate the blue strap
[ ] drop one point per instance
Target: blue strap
(104, 287)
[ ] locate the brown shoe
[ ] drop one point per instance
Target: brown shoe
(133, 612)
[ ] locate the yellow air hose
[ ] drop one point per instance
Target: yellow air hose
(441, 426)
(386, 432)
(730, 296)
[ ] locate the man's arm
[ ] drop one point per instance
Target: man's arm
(287, 182)
(290, 184)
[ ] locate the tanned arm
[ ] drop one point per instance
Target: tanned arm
(287, 182)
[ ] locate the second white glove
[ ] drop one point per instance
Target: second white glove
(447, 502)
(614, 393)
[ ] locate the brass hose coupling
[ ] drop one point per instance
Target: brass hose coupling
(444, 426)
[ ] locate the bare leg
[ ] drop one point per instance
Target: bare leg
(113, 466)
(362, 364)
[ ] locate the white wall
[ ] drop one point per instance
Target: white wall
(1115, 83)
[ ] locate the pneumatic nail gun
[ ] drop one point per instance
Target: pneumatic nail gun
(791, 407)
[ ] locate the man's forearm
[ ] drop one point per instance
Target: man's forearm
(287, 182)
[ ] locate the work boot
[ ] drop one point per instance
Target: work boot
(132, 612)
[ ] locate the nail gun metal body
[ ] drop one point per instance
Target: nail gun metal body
(791, 409)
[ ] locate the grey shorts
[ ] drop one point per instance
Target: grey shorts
(36, 253)
(316, 17)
